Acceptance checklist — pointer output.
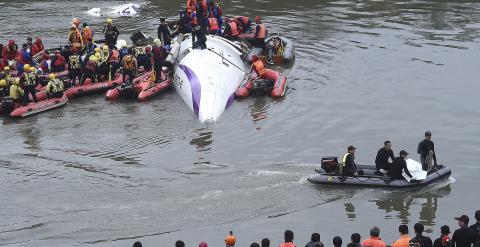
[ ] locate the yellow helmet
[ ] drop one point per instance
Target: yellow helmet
(105, 47)
(32, 69)
(97, 54)
(51, 76)
(109, 21)
(26, 67)
(6, 68)
(16, 81)
(3, 83)
(97, 49)
(93, 58)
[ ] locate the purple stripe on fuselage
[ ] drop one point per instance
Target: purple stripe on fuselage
(230, 100)
(194, 86)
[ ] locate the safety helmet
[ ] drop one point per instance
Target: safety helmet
(105, 47)
(93, 58)
(97, 54)
(32, 69)
(3, 83)
(97, 49)
(109, 21)
(26, 67)
(16, 81)
(51, 76)
(6, 68)
(157, 42)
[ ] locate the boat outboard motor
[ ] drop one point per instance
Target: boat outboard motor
(330, 164)
(262, 86)
(7, 105)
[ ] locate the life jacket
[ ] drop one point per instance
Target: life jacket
(234, 28)
(91, 66)
(243, 19)
(213, 22)
(87, 34)
(128, 62)
(29, 79)
(139, 51)
(55, 86)
(74, 61)
(114, 57)
(259, 67)
(110, 32)
(191, 7)
(159, 54)
(36, 48)
(344, 159)
(104, 56)
(123, 52)
(75, 38)
(16, 92)
(289, 244)
(262, 33)
(59, 61)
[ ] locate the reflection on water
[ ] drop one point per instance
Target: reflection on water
(403, 201)
(258, 110)
(31, 135)
(350, 211)
(203, 144)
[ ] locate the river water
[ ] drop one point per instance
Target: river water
(96, 173)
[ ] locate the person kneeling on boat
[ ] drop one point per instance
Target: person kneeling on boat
(54, 87)
(130, 68)
(349, 168)
(399, 166)
(382, 163)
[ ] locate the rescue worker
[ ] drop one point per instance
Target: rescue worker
(30, 82)
(202, 13)
(130, 67)
(114, 63)
(89, 48)
(87, 33)
(111, 33)
(148, 59)
(273, 48)
(158, 58)
(123, 51)
(184, 24)
(164, 33)
(103, 66)
(260, 34)
(201, 42)
(230, 240)
(4, 90)
(349, 168)
(37, 47)
(231, 30)
(216, 12)
(75, 37)
(9, 54)
(54, 87)
(141, 56)
(244, 24)
(16, 92)
(191, 6)
(29, 43)
(23, 58)
(90, 70)
(258, 67)
(213, 26)
(399, 166)
(426, 149)
(58, 62)
(74, 67)
(5, 74)
(383, 155)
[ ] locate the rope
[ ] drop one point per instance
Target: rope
(223, 58)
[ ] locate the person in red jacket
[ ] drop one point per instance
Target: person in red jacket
(37, 47)
(58, 62)
(9, 54)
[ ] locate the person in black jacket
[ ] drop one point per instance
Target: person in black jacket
(163, 32)
(424, 148)
(464, 236)
(419, 240)
(399, 166)
(444, 239)
(381, 161)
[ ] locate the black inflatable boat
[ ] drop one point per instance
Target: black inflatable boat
(371, 179)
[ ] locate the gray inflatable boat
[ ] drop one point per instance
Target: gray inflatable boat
(371, 179)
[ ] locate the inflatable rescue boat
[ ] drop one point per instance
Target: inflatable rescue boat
(142, 88)
(284, 51)
(34, 108)
(274, 84)
(93, 88)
